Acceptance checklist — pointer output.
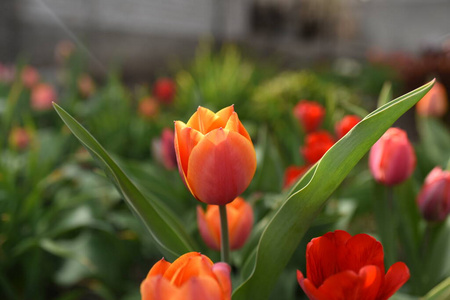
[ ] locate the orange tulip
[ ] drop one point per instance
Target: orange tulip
(215, 155)
(434, 103)
(240, 222)
(192, 276)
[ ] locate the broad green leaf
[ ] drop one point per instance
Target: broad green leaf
(284, 232)
(159, 220)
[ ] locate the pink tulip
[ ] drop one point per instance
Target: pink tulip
(434, 197)
(434, 103)
(30, 76)
(42, 97)
(392, 159)
(164, 149)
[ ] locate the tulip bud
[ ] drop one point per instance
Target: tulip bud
(434, 103)
(345, 125)
(240, 222)
(292, 174)
(164, 90)
(19, 138)
(215, 155)
(392, 159)
(164, 149)
(30, 76)
(86, 85)
(434, 197)
(42, 97)
(148, 108)
(310, 114)
(192, 276)
(64, 49)
(316, 144)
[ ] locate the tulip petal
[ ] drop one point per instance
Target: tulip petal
(186, 139)
(319, 263)
(207, 229)
(158, 288)
(234, 124)
(396, 276)
(240, 222)
(221, 167)
(159, 268)
(204, 120)
(308, 287)
(222, 272)
(342, 286)
(359, 251)
(200, 288)
(371, 279)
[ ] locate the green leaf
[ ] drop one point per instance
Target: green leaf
(439, 292)
(284, 232)
(385, 94)
(163, 225)
(436, 140)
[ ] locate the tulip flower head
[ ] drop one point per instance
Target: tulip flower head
(434, 197)
(30, 76)
(42, 96)
(310, 114)
(192, 276)
(392, 159)
(240, 222)
(19, 138)
(215, 155)
(148, 108)
(164, 90)
(86, 85)
(434, 103)
(316, 145)
(345, 125)
(292, 174)
(340, 267)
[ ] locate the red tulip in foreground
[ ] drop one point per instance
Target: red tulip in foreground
(215, 155)
(310, 114)
(392, 159)
(434, 103)
(342, 267)
(240, 222)
(345, 125)
(434, 197)
(192, 276)
(316, 144)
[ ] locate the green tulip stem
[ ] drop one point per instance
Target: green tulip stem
(225, 242)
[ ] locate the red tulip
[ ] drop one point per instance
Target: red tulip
(215, 155)
(192, 276)
(240, 222)
(342, 267)
(30, 76)
(310, 114)
(392, 159)
(434, 197)
(164, 149)
(19, 138)
(164, 90)
(345, 125)
(316, 144)
(42, 96)
(434, 103)
(292, 174)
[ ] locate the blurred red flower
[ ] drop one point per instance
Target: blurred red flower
(434, 103)
(42, 96)
(310, 114)
(164, 149)
(345, 125)
(316, 144)
(342, 267)
(292, 174)
(164, 90)
(30, 76)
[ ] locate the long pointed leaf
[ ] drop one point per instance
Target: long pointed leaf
(284, 232)
(162, 224)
